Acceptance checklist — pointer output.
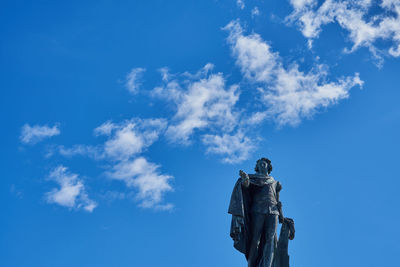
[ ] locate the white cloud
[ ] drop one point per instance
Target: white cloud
(71, 192)
(295, 95)
(254, 56)
(256, 118)
(134, 80)
(104, 129)
(116, 195)
(37, 133)
(255, 12)
(144, 176)
(124, 140)
(131, 137)
(240, 4)
(288, 93)
(299, 4)
(124, 143)
(353, 16)
(202, 102)
(94, 152)
(206, 108)
(233, 147)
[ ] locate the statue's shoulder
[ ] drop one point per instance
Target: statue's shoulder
(255, 176)
(277, 184)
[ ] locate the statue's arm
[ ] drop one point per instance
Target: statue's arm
(278, 190)
(245, 178)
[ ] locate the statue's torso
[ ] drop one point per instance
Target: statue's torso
(263, 191)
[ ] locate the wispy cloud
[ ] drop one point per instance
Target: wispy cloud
(105, 129)
(298, 4)
(125, 141)
(234, 147)
(94, 152)
(134, 80)
(131, 137)
(353, 16)
(240, 4)
(145, 177)
(288, 93)
(71, 192)
(255, 11)
(37, 133)
(206, 107)
(202, 101)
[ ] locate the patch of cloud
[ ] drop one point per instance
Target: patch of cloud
(202, 101)
(288, 93)
(145, 177)
(295, 94)
(18, 193)
(171, 89)
(240, 4)
(116, 195)
(206, 107)
(256, 118)
(299, 4)
(254, 56)
(105, 129)
(71, 192)
(255, 11)
(125, 143)
(130, 137)
(123, 146)
(94, 152)
(124, 140)
(234, 147)
(122, 149)
(353, 16)
(37, 133)
(134, 80)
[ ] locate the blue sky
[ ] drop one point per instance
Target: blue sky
(125, 125)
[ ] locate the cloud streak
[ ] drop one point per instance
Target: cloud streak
(203, 101)
(206, 107)
(122, 149)
(288, 94)
(255, 12)
(134, 80)
(130, 137)
(71, 192)
(353, 16)
(37, 133)
(240, 4)
(145, 177)
(234, 147)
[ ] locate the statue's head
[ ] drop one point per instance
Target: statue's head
(263, 166)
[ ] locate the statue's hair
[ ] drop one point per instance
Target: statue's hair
(269, 170)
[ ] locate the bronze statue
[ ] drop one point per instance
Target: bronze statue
(256, 211)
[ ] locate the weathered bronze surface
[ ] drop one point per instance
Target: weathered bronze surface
(256, 211)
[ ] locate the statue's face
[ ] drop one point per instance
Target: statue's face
(262, 167)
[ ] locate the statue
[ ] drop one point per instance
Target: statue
(256, 211)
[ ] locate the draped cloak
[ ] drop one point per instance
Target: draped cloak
(239, 209)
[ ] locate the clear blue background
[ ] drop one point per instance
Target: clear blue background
(66, 62)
